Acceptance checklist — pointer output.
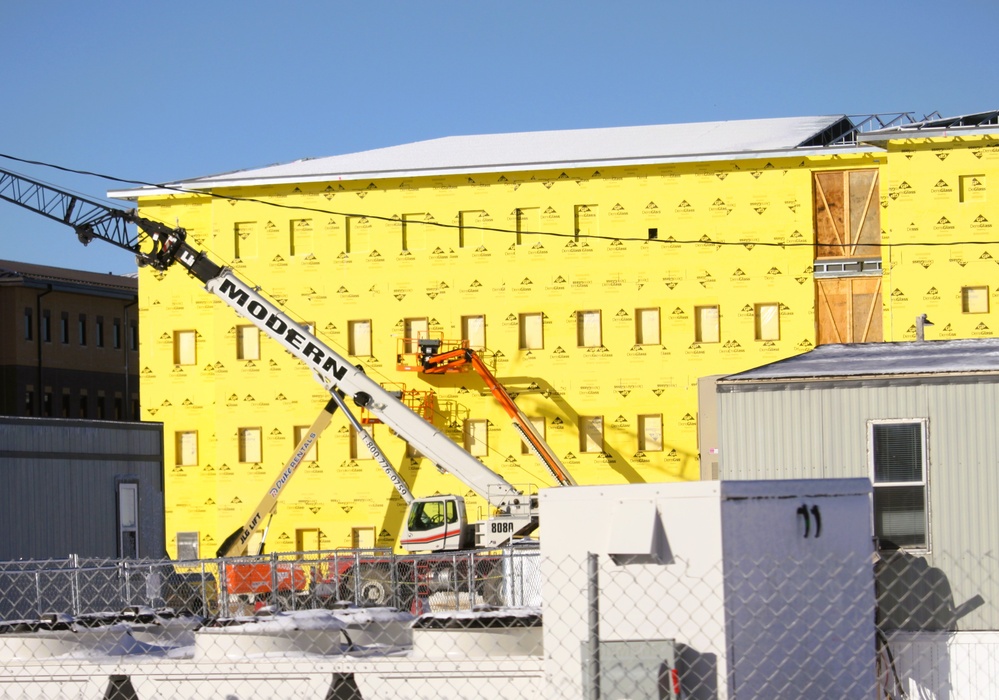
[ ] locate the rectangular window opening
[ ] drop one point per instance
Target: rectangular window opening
(766, 321)
(187, 546)
(647, 327)
(358, 448)
(250, 446)
(591, 433)
(128, 520)
(186, 448)
(470, 225)
(586, 221)
(185, 347)
(528, 221)
(588, 329)
(247, 343)
(975, 300)
(414, 330)
(706, 324)
(475, 437)
(650, 433)
(473, 331)
(532, 331)
(312, 454)
(539, 424)
(359, 338)
(300, 237)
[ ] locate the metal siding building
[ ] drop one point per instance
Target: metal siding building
(808, 417)
(61, 487)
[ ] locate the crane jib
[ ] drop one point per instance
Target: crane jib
(289, 333)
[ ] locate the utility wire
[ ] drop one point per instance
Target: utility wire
(704, 240)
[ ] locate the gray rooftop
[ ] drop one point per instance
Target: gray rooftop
(539, 150)
(64, 280)
(934, 357)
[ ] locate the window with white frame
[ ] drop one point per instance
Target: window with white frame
(128, 520)
(897, 450)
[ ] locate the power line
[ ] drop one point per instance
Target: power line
(704, 240)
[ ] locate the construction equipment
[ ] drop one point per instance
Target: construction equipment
(437, 356)
(432, 524)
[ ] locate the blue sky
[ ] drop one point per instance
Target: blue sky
(158, 91)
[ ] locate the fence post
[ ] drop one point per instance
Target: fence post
(471, 579)
(592, 691)
(127, 588)
(74, 590)
(38, 592)
(274, 578)
(220, 565)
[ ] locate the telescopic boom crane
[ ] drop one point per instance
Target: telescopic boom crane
(161, 246)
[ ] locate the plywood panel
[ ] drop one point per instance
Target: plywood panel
(848, 310)
(847, 218)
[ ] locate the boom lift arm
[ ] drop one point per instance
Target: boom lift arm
(161, 247)
(236, 542)
(435, 362)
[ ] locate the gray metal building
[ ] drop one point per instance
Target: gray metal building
(920, 420)
(86, 487)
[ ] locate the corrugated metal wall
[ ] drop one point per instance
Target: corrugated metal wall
(60, 479)
(819, 430)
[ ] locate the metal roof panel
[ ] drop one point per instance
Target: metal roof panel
(534, 151)
(880, 359)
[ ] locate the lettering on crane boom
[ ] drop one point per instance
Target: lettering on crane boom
(394, 477)
(316, 356)
(501, 528)
(248, 530)
(292, 466)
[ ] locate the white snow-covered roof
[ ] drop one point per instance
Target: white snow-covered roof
(536, 150)
(850, 361)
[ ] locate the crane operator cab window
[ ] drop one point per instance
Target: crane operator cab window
(426, 515)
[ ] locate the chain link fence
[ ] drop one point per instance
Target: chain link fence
(503, 624)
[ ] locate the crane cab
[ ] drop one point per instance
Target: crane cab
(435, 524)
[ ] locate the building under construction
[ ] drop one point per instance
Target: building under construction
(600, 273)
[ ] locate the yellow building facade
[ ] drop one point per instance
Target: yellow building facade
(599, 292)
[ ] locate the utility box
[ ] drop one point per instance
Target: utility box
(766, 587)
